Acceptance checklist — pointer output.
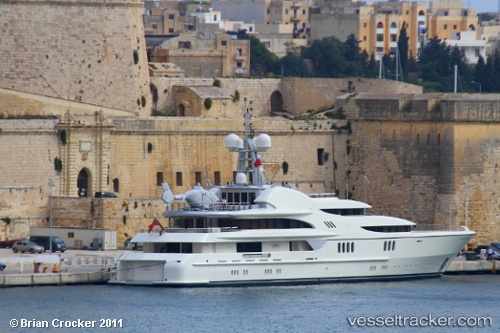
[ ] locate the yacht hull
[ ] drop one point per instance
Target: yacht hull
(416, 255)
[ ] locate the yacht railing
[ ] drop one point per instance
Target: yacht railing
(176, 206)
(194, 230)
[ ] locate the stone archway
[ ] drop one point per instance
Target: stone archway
(82, 183)
(276, 101)
(181, 109)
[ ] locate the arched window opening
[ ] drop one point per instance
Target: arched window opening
(182, 110)
(116, 185)
(276, 101)
(82, 183)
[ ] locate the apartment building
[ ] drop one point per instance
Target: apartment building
(205, 54)
(378, 25)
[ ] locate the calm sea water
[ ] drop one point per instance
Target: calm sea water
(308, 308)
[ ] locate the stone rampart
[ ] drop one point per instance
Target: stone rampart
(86, 50)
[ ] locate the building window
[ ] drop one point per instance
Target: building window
(170, 16)
(223, 43)
(240, 52)
(477, 52)
(116, 185)
(215, 18)
(286, 11)
(380, 25)
(321, 154)
(217, 178)
(439, 139)
(454, 27)
(303, 12)
(445, 27)
(197, 176)
(428, 139)
(170, 31)
(250, 29)
(365, 25)
(178, 178)
(154, 25)
(418, 139)
(380, 38)
(394, 38)
(71, 235)
(238, 64)
(364, 38)
(184, 45)
(268, 11)
(159, 178)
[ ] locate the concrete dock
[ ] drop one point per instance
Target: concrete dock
(462, 266)
(73, 267)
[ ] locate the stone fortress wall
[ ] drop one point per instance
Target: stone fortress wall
(422, 155)
(75, 50)
(432, 158)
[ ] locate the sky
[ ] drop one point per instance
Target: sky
(481, 5)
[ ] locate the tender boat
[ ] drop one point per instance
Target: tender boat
(250, 232)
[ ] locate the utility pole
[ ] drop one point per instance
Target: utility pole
(51, 185)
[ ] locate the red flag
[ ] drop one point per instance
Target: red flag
(155, 222)
(257, 163)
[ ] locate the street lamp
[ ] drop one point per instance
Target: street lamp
(51, 185)
(477, 84)
(466, 191)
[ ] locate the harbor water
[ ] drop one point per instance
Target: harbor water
(398, 306)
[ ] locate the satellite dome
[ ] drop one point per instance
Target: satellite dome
(232, 142)
(263, 142)
(241, 178)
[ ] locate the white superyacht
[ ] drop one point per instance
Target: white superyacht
(250, 232)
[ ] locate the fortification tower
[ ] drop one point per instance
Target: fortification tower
(90, 51)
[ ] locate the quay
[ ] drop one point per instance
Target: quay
(482, 266)
(40, 279)
(72, 267)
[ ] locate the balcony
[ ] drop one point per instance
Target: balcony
(238, 56)
(240, 71)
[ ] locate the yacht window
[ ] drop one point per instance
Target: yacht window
(237, 223)
(249, 247)
(345, 212)
(399, 228)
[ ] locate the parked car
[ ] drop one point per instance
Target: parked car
(2, 266)
(57, 243)
(496, 250)
(104, 195)
(27, 246)
(8, 243)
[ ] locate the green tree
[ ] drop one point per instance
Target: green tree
(291, 65)
(403, 50)
(327, 57)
